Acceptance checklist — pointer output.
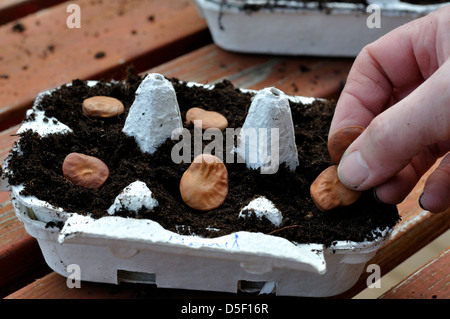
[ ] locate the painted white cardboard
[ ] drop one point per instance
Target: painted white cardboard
(267, 138)
(342, 29)
(115, 249)
(154, 115)
(133, 198)
(43, 125)
(262, 207)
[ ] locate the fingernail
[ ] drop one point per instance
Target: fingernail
(420, 202)
(353, 169)
(375, 195)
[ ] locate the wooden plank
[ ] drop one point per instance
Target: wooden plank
(12, 230)
(7, 139)
(54, 286)
(432, 281)
(21, 265)
(14, 9)
(316, 77)
(47, 53)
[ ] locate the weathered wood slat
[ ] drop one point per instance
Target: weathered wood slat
(316, 77)
(21, 265)
(45, 52)
(432, 281)
(14, 9)
(53, 286)
(7, 139)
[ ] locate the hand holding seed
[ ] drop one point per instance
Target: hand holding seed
(327, 191)
(398, 89)
(341, 140)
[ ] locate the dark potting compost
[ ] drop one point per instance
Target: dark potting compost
(38, 166)
(320, 4)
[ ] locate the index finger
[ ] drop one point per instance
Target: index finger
(387, 70)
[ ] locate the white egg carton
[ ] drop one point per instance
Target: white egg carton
(298, 28)
(114, 249)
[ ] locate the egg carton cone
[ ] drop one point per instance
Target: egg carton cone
(303, 28)
(267, 138)
(115, 249)
(154, 115)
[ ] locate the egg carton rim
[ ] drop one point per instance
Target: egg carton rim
(392, 7)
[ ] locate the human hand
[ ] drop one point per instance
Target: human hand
(399, 89)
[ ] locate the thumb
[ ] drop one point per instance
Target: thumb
(411, 128)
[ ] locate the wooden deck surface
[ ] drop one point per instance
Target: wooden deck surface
(167, 37)
(429, 282)
(44, 52)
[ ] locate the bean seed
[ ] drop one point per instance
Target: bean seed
(210, 119)
(102, 106)
(328, 192)
(341, 140)
(85, 171)
(204, 185)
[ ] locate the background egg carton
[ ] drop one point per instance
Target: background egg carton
(298, 28)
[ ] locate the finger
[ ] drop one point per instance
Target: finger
(391, 68)
(398, 187)
(436, 193)
(400, 133)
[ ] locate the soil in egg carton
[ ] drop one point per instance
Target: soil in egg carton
(39, 167)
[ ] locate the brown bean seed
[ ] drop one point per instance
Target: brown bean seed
(328, 192)
(204, 185)
(85, 171)
(210, 119)
(102, 106)
(341, 140)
